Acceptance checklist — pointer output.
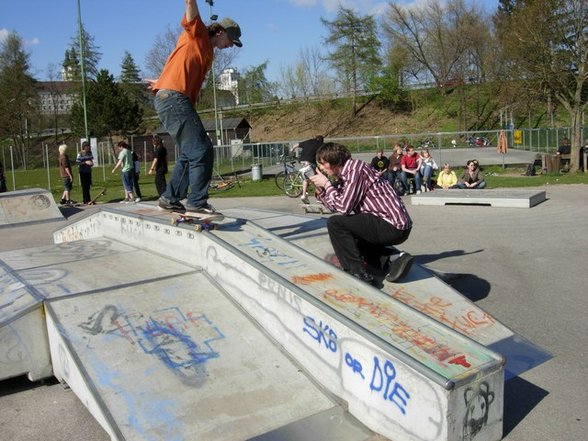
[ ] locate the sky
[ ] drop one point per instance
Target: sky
(273, 30)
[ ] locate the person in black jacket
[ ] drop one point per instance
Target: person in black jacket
(159, 164)
(308, 150)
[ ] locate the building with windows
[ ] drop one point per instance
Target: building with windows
(229, 80)
(57, 97)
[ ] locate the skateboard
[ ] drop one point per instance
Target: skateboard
(200, 222)
(102, 193)
(315, 208)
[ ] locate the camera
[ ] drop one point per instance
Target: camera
(309, 170)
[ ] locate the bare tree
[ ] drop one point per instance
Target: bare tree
(547, 50)
(54, 92)
(443, 39)
(308, 77)
(163, 45)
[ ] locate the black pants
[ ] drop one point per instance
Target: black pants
(362, 238)
(160, 182)
(136, 187)
(86, 183)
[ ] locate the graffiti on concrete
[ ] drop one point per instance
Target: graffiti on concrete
(383, 379)
(478, 400)
(182, 342)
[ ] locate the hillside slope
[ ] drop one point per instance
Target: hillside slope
(334, 119)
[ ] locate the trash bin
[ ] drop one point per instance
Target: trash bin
(256, 172)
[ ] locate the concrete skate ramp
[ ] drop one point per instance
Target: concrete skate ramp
(422, 290)
(27, 207)
(506, 198)
(152, 347)
(400, 373)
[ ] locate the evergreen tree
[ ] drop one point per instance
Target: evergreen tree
(130, 80)
(110, 110)
(92, 56)
(356, 50)
(18, 95)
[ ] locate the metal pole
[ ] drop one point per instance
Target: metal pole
(12, 167)
(48, 168)
(210, 4)
(83, 73)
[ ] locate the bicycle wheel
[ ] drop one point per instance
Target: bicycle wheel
(293, 185)
(279, 179)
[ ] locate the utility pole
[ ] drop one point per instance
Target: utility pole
(82, 71)
(216, 131)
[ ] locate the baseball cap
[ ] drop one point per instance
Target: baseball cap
(233, 30)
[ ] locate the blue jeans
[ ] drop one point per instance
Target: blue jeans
(427, 172)
(194, 165)
(127, 180)
(417, 180)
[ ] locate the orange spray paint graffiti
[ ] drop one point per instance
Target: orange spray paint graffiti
(309, 279)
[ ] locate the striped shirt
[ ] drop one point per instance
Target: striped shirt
(362, 190)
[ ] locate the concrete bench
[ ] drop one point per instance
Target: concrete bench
(506, 198)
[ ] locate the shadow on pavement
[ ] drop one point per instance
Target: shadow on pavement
(520, 398)
(471, 286)
(22, 383)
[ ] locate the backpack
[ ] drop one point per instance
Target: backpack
(530, 171)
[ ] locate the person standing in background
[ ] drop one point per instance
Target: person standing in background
(307, 158)
(159, 164)
(2, 179)
(66, 175)
(125, 162)
(136, 175)
(85, 161)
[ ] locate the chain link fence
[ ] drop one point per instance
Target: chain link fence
(241, 158)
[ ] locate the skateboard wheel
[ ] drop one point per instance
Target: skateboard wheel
(198, 228)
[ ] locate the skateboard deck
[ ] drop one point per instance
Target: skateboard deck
(200, 222)
(102, 193)
(315, 208)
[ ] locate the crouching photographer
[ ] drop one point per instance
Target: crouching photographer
(371, 218)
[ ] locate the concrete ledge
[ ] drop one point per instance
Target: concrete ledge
(495, 198)
(27, 207)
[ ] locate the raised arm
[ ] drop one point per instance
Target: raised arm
(191, 10)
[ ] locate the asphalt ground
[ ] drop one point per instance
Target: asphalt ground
(524, 266)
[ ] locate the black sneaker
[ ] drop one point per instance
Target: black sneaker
(63, 201)
(172, 206)
(364, 276)
(205, 211)
(70, 202)
(399, 267)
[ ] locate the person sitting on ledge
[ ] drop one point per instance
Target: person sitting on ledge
(472, 177)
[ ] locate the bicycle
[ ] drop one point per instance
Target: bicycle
(288, 168)
(221, 184)
(293, 184)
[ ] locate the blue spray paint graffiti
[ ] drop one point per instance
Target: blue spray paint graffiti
(181, 342)
(383, 378)
(268, 253)
(383, 381)
(321, 333)
(176, 349)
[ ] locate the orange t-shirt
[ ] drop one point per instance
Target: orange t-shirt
(191, 59)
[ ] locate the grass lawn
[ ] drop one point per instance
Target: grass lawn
(496, 177)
